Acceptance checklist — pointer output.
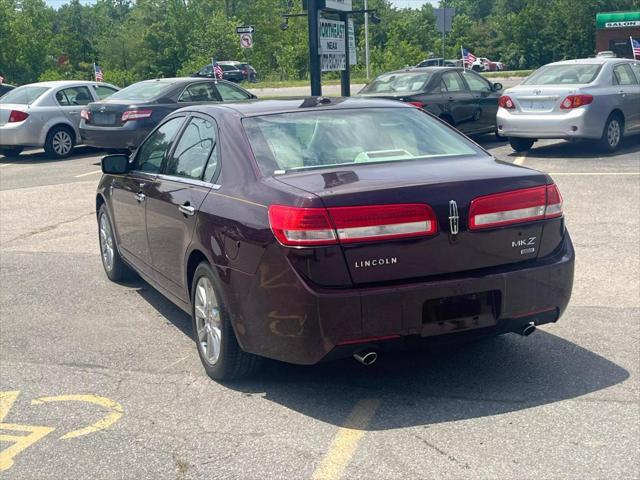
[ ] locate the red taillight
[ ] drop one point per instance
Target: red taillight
(85, 114)
(506, 102)
(17, 116)
(417, 104)
(517, 206)
(319, 226)
(575, 101)
(135, 115)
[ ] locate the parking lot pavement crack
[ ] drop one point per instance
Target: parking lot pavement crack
(445, 454)
(46, 229)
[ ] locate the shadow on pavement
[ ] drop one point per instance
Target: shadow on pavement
(420, 387)
(583, 149)
(38, 156)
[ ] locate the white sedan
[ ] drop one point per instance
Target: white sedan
(592, 98)
(46, 114)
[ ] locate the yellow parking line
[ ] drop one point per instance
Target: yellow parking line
(87, 174)
(520, 160)
(346, 441)
(593, 174)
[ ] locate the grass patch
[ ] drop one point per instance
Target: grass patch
(508, 73)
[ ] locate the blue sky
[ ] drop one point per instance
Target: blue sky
(397, 3)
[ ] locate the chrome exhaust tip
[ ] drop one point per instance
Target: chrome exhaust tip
(528, 329)
(366, 357)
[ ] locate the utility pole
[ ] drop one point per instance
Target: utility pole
(315, 71)
(366, 39)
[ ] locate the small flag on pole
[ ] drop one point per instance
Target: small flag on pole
(217, 70)
(97, 71)
(635, 47)
(467, 58)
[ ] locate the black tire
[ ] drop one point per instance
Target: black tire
(521, 144)
(11, 152)
(119, 270)
(475, 68)
(610, 140)
(60, 142)
(232, 362)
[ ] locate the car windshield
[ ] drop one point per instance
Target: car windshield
(142, 90)
(398, 82)
(25, 95)
(564, 74)
(313, 139)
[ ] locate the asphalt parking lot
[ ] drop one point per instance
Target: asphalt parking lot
(100, 380)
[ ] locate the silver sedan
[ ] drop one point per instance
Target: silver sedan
(46, 114)
(593, 98)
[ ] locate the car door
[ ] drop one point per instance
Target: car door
(458, 100)
(129, 193)
(71, 100)
(628, 92)
(485, 101)
(173, 205)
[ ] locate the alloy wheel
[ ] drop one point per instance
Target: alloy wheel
(106, 242)
(62, 142)
(208, 320)
(613, 133)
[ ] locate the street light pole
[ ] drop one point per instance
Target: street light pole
(366, 39)
(315, 71)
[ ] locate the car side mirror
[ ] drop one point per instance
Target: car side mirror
(497, 87)
(115, 164)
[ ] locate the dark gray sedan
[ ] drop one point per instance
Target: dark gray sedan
(460, 97)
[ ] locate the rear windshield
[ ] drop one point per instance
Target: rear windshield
(564, 74)
(313, 139)
(143, 90)
(24, 95)
(398, 83)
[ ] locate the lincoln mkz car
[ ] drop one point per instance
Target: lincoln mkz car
(308, 230)
(593, 98)
(122, 121)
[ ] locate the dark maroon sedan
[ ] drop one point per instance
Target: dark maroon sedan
(304, 230)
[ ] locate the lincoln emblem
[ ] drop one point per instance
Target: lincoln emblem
(454, 218)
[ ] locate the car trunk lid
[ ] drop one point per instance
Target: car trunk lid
(108, 113)
(448, 186)
(541, 98)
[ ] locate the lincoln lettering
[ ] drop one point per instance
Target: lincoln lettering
(376, 262)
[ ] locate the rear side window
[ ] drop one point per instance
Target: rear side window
(103, 92)
(476, 82)
(230, 93)
(199, 92)
(622, 75)
(69, 97)
(398, 82)
(24, 95)
(564, 74)
(154, 149)
(452, 82)
(635, 67)
(193, 151)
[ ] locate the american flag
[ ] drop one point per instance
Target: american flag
(98, 73)
(467, 57)
(217, 70)
(635, 45)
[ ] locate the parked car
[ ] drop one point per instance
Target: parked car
(305, 230)
(592, 98)
(230, 72)
(460, 97)
(122, 121)
(5, 87)
(439, 62)
(248, 72)
(483, 64)
(46, 114)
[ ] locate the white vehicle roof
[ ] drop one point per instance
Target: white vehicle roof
(592, 61)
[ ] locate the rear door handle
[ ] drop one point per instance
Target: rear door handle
(140, 197)
(187, 209)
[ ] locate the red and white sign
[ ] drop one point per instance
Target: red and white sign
(246, 40)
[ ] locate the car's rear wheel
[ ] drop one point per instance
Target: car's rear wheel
(11, 152)
(221, 356)
(521, 144)
(60, 142)
(114, 266)
(612, 134)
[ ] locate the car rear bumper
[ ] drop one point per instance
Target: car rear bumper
(578, 123)
(19, 135)
(128, 136)
(287, 319)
